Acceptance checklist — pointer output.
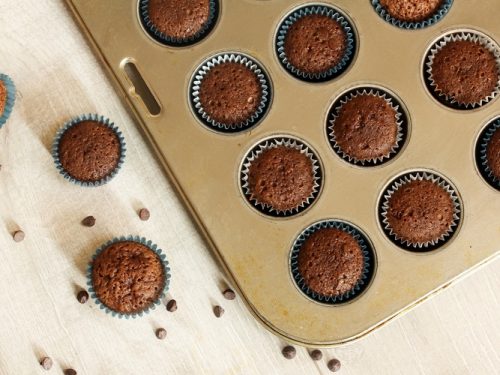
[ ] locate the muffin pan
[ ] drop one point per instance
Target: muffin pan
(254, 248)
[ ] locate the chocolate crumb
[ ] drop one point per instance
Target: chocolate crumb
(144, 214)
(172, 305)
(89, 221)
(18, 236)
(218, 311)
(316, 355)
(289, 352)
(46, 363)
(69, 371)
(229, 294)
(333, 365)
(161, 333)
(82, 296)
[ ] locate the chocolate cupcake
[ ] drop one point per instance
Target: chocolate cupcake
(230, 92)
(420, 211)
(178, 22)
(128, 276)
(332, 262)
(316, 43)
(412, 14)
(367, 126)
(463, 70)
(89, 150)
(281, 176)
(7, 98)
(488, 153)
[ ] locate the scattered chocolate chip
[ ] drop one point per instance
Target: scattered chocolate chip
(229, 294)
(333, 365)
(288, 352)
(218, 311)
(89, 221)
(172, 305)
(69, 371)
(144, 214)
(82, 296)
(161, 333)
(316, 355)
(18, 235)
(46, 363)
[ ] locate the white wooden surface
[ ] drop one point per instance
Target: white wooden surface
(456, 332)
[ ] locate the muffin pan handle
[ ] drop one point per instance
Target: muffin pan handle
(140, 88)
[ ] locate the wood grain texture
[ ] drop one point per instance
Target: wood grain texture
(456, 332)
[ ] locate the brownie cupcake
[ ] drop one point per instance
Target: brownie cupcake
(366, 126)
(178, 22)
(281, 176)
(332, 262)
(488, 153)
(463, 70)
(89, 150)
(315, 43)
(230, 92)
(420, 210)
(128, 276)
(7, 98)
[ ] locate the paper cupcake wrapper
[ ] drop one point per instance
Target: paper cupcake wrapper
(10, 100)
(433, 19)
(162, 38)
(397, 184)
(152, 306)
(472, 36)
(401, 122)
(481, 153)
(323, 10)
(238, 58)
(88, 117)
(275, 142)
(366, 275)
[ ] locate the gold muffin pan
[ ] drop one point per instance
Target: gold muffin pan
(204, 165)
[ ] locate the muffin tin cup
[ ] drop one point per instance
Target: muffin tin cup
(164, 39)
(10, 99)
(88, 117)
(368, 262)
(408, 25)
(275, 142)
(228, 57)
(471, 36)
(323, 10)
(481, 153)
(400, 182)
(401, 122)
(166, 269)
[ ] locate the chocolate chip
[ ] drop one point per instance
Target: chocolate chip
(18, 235)
(333, 365)
(316, 355)
(82, 296)
(46, 363)
(229, 294)
(144, 214)
(89, 221)
(69, 371)
(289, 352)
(161, 333)
(172, 305)
(218, 311)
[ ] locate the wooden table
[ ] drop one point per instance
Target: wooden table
(456, 332)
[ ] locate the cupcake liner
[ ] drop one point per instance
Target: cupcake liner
(401, 121)
(10, 100)
(160, 37)
(324, 11)
(88, 117)
(275, 142)
(401, 181)
(218, 59)
(436, 17)
(481, 153)
(486, 42)
(368, 255)
(153, 305)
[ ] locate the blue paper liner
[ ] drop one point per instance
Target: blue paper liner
(400, 181)
(481, 153)
(10, 100)
(274, 142)
(368, 255)
(88, 117)
(230, 57)
(324, 10)
(162, 38)
(433, 19)
(153, 247)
